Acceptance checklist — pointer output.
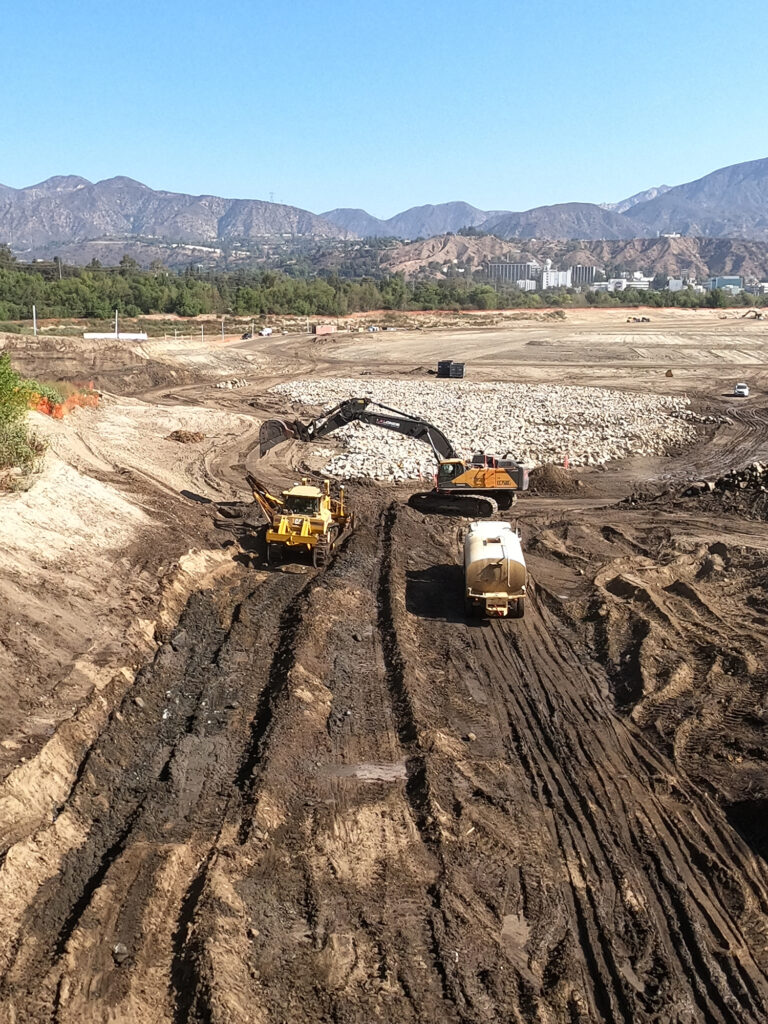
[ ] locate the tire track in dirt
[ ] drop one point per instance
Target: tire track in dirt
(591, 773)
(328, 878)
(150, 794)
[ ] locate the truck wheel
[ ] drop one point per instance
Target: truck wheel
(469, 608)
(517, 608)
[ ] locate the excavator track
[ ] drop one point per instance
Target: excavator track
(471, 506)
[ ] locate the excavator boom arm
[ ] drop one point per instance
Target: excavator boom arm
(362, 409)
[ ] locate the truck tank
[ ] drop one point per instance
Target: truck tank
(495, 574)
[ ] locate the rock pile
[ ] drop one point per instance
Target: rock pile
(534, 423)
(235, 382)
(751, 478)
(694, 417)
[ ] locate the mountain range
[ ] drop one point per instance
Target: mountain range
(731, 202)
(67, 208)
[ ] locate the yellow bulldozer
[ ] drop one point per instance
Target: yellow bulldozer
(304, 518)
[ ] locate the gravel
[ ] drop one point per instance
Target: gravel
(534, 423)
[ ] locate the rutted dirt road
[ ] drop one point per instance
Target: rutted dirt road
(288, 818)
(330, 797)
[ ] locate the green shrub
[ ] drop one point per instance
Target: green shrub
(13, 393)
(19, 447)
(48, 391)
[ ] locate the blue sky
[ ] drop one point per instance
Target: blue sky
(384, 105)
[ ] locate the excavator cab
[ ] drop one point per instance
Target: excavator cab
(448, 470)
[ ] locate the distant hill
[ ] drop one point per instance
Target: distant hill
(418, 222)
(639, 197)
(670, 257)
(358, 222)
(67, 209)
(566, 220)
(731, 202)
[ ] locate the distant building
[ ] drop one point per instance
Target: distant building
(614, 284)
(526, 285)
(761, 288)
(500, 270)
(324, 328)
(556, 278)
(640, 281)
(728, 282)
(675, 284)
(581, 275)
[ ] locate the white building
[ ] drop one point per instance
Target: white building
(675, 284)
(556, 278)
(526, 285)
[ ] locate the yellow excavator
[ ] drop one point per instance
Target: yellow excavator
(304, 518)
(478, 488)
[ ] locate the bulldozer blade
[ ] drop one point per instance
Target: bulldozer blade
(273, 432)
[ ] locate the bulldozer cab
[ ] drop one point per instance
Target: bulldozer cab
(303, 501)
(448, 470)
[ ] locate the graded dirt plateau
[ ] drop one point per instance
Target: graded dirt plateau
(331, 798)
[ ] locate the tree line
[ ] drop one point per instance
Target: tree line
(96, 292)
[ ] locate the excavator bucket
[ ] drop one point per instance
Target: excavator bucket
(273, 432)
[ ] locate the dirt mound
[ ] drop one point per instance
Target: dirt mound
(120, 368)
(186, 436)
(551, 479)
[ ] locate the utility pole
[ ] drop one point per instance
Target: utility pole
(34, 320)
(202, 332)
(116, 331)
(222, 328)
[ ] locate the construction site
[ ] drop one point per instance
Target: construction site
(269, 753)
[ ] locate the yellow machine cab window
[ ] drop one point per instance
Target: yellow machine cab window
(302, 505)
(449, 470)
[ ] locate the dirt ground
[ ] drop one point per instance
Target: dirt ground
(325, 795)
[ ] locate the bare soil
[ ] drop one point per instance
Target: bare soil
(327, 796)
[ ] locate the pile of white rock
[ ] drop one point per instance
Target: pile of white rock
(533, 423)
(235, 382)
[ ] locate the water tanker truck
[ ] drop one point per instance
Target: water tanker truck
(495, 576)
